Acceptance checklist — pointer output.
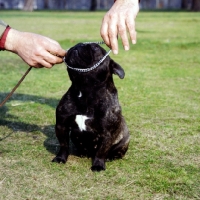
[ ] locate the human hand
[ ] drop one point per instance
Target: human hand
(120, 17)
(36, 50)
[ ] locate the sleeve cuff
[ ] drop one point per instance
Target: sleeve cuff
(3, 38)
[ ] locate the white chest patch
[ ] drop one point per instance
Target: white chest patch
(80, 120)
(80, 94)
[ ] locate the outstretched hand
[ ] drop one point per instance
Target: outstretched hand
(36, 50)
(117, 21)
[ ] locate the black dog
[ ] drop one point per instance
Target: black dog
(89, 113)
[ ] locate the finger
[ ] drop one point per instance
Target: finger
(134, 38)
(130, 23)
(57, 51)
(104, 33)
(123, 33)
(112, 34)
(58, 59)
(45, 64)
(54, 47)
(53, 59)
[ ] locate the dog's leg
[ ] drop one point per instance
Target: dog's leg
(98, 162)
(118, 150)
(62, 134)
(105, 152)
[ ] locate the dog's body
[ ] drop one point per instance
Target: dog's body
(89, 113)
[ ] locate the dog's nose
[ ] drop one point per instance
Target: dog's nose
(76, 52)
(94, 47)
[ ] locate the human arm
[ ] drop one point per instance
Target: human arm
(36, 50)
(117, 21)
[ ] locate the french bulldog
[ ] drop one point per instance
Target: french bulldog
(89, 113)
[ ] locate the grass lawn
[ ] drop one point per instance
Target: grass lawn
(160, 99)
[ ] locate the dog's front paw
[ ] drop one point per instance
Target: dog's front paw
(98, 165)
(59, 159)
(62, 155)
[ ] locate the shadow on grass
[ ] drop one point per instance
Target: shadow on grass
(13, 123)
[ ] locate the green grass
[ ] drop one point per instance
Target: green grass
(160, 98)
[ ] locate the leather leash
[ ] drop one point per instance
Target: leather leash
(13, 90)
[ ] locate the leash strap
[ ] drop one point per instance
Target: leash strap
(13, 90)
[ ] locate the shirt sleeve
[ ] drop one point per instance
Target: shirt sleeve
(116, 0)
(3, 26)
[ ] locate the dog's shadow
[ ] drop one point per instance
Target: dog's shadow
(52, 145)
(13, 123)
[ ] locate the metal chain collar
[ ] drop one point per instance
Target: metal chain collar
(93, 67)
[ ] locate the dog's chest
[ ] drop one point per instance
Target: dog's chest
(80, 121)
(83, 135)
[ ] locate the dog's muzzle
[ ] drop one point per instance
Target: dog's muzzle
(90, 68)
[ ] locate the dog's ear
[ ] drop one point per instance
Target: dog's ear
(116, 69)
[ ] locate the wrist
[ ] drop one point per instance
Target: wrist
(12, 39)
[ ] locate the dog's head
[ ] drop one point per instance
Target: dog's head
(83, 56)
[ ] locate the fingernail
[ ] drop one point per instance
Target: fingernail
(115, 52)
(133, 41)
(126, 48)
